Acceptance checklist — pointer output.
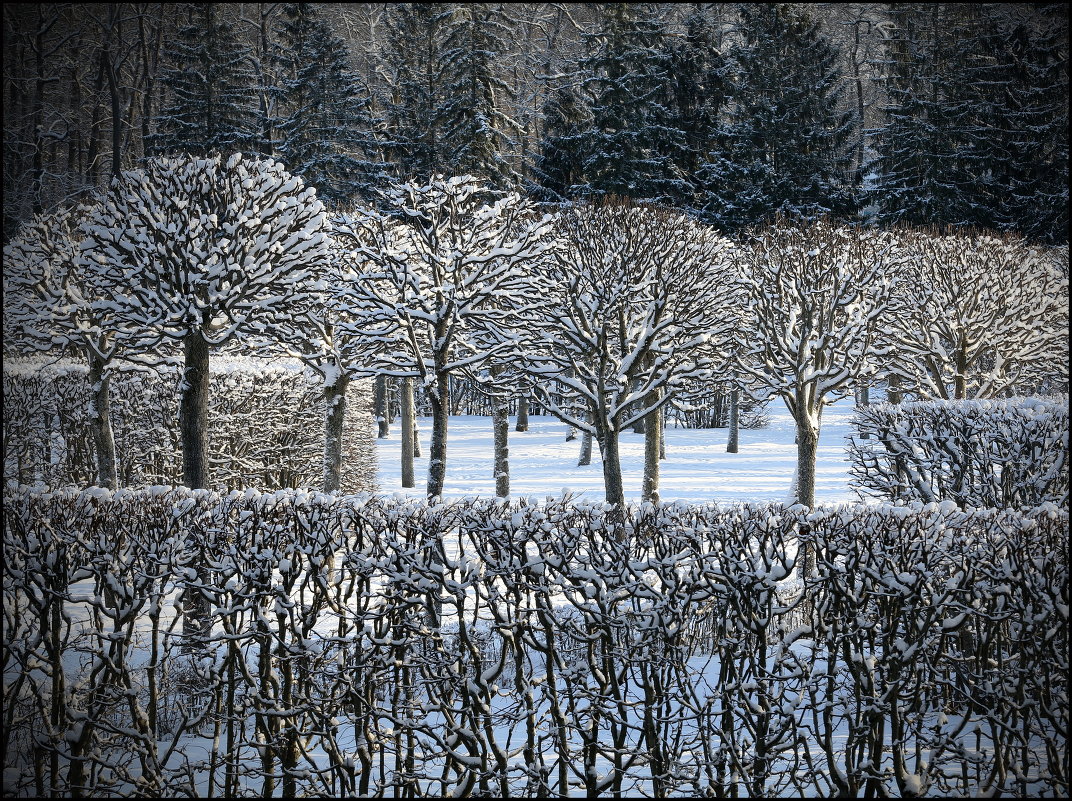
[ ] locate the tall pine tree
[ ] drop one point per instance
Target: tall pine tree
(976, 125)
(559, 168)
(787, 136)
(478, 135)
(413, 63)
(697, 91)
(627, 149)
(209, 89)
(325, 128)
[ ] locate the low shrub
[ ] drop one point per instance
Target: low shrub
(369, 646)
(983, 453)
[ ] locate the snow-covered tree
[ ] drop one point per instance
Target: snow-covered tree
(411, 60)
(53, 304)
(202, 252)
(975, 127)
(325, 128)
(478, 133)
(433, 280)
(626, 148)
(210, 88)
(787, 136)
(977, 315)
(699, 80)
(559, 169)
(816, 296)
(631, 297)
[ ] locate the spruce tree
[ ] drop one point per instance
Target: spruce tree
(325, 127)
(698, 88)
(412, 105)
(209, 88)
(787, 138)
(1035, 200)
(559, 168)
(478, 136)
(626, 151)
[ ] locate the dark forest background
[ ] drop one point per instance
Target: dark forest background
(933, 114)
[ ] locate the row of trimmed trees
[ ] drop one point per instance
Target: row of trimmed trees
(605, 311)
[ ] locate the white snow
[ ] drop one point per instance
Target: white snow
(696, 469)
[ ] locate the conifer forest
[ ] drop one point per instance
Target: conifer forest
(606, 400)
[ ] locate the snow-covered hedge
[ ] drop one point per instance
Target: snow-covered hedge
(266, 427)
(999, 453)
(386, 647)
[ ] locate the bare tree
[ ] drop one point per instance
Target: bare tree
(432, 281)
(53, 304)
(976, 315)
(816, 295)
(631, 297)
(202, 252)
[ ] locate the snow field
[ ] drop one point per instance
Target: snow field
(697, 468)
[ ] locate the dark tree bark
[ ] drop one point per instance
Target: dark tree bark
(409, 433)
(334, 424)
(733, 441)
(500, 421)
(380, 407)
(522, 413)
(650, 489)
(101, 423)
(193, 412)
(437, 459)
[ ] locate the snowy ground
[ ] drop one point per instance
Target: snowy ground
(696, 468)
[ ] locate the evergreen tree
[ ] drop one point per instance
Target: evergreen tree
(976, 126)
(787, 138)
(626, 149)
(413, 62)
(325, 126)
(477, 135)
(1034, 200)
(559, 169)
(698, 87)
(210, 89)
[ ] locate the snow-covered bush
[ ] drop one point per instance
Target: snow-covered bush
(266, 428)
(999, 453)
(369, 646)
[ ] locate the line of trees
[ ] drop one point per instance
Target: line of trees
(606, 309)
(922, 114)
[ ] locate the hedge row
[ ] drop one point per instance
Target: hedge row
(983, 453)
(266, 428)
(372, 646)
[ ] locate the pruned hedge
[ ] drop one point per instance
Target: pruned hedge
(983, 453)
(368, 646)
(266, 428)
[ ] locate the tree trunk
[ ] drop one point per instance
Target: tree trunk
(893, 389)
(500, 421)
(863, 398)
(522, 413)
(334, 420)
(733, 441)
(960, 380)
(650, 489)
(409, 432)
(437, 461)
(193, 430)
(100, 421)
(807, 447)
(612, 468)
(640, 425)
(585, 457)
(379, 401)
(193, 412)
